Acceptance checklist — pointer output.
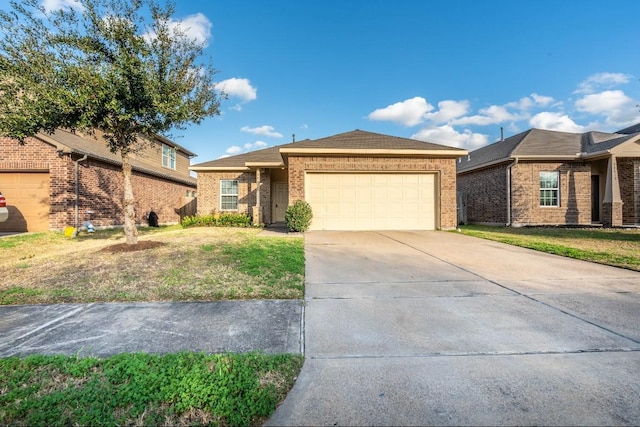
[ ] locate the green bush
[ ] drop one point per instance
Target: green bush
(224, 219)
(298, 216)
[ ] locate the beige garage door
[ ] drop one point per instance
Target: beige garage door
(371, 201)
(27, 197)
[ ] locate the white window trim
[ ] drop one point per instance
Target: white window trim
(557, 189)
(237, 195)
(169, 159)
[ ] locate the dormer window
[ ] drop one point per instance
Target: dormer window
(168, 157)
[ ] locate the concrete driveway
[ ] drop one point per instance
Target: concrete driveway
(437, 328)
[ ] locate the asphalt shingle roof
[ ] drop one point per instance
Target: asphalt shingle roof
(98, 149)
(354, 140)
(543, 144)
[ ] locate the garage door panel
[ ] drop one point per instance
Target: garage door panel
(27, 195)
(372, 201)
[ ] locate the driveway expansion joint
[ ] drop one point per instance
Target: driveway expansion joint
(477, 354)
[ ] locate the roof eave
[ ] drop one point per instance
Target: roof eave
(596, 155)
(178, 147)
(59, 146)
(264, 164)
(219, 168)
(544, 158)
(547, 157)
(375, 151)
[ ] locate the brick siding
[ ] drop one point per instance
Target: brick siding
(486, 195)
(575, 194)
(629, 180)
(100, 187)
(209, 192)
(483, 195)
(445, 168)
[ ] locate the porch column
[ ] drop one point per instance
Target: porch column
(612, 203)
(257, 209)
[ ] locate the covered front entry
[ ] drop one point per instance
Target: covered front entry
(372, 201)
(27, 195)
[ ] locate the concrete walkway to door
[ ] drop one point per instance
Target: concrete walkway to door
(437, 328)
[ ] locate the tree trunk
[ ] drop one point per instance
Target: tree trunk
(130, 230)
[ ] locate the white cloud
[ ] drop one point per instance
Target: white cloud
(448, 110)
(409, 112)
(52, 5)
(602, 80)
(555, 121)
(239, 88)
(262, 130)
(541, 99)
(489, 116)
(527, 102)
(447, 135)
(255, 146)
(233, 150)
(603, 102)
(195, 27)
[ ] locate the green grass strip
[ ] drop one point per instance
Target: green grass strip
(145, 389)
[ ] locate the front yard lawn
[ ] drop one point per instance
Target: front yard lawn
(615, 247)
(195, 264)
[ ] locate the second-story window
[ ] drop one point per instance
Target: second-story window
(168, 157)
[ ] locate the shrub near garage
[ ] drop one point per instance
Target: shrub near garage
(224, 219)
(298, 216)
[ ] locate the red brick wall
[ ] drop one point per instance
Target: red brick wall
(100, 188)
(298, 165)
(209, 192)
(629, 179)
(575, 194)
(484, 195)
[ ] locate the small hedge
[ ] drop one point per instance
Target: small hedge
(224, 219)
(298, 216)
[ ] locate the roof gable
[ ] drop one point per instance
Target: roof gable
(362, 140)
(95, 147)
(355, 142)
(544, 145)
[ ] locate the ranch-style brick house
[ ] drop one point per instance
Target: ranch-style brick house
(66, 178)
(353, 181)
(543, 177)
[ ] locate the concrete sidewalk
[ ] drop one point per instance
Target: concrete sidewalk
(438, 328)
(105, 329)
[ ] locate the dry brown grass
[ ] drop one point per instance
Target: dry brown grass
(181, 264)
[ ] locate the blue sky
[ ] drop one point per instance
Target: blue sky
(449, 72)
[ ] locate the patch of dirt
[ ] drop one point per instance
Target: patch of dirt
(140, 246)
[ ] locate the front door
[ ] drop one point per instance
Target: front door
(595, 198)
(279, 201)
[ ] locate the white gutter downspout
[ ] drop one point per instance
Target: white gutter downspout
(515, 162)
(77, 187)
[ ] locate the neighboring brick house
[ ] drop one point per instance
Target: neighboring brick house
(63, 179)
(353, 181)
(542, 177)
